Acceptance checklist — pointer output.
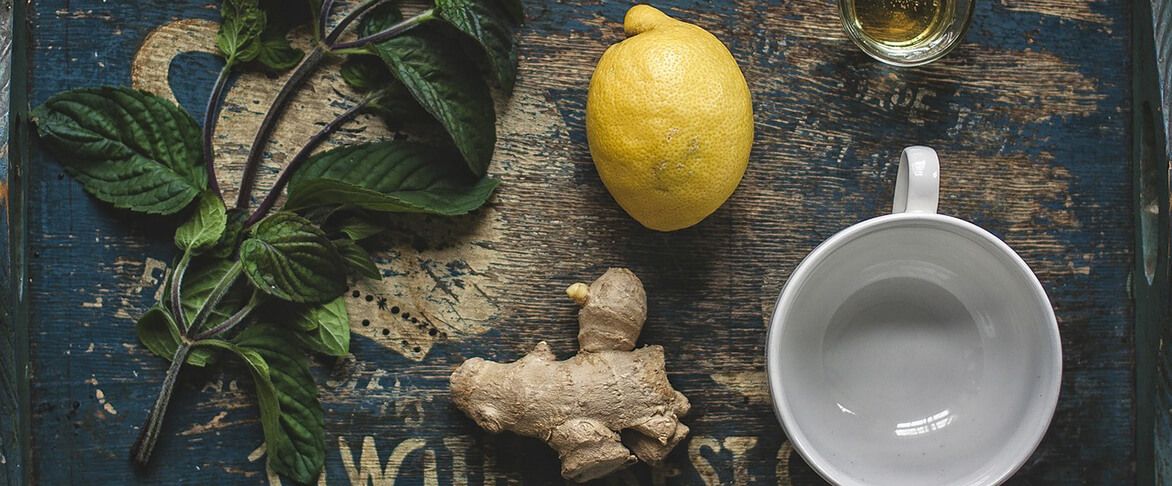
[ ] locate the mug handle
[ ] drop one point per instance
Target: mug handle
(917, 187)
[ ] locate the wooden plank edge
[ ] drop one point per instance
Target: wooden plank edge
(1150, 277)
(15, 427)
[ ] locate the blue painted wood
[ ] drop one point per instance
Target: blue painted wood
(1030, 116)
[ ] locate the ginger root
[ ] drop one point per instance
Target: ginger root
(601, 410)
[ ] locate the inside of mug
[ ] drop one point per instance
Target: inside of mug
(917, 351)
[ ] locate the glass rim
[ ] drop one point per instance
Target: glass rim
(858, 37)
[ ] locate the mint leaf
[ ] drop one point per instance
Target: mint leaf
(206, 226)
(320, 215)
(365, 73)
(391, 176)
(487, 24)
(357, 226)
(398, 110)
(432, 66)
(290, 412)
(128, 148)
(241, 25)
(326, 328)
(357, 259)
(392, 102)
(291, 259)
(160, 334)
(230, 240)
(276, 53)
(199, 281)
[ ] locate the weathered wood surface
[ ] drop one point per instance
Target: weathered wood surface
(1029, 116)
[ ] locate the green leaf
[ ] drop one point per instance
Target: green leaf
(241, 24)
(392, 102)
(320, 215)
(128, 148)
(206, 226)
(276, 53)
(487, 24)
(365, 73)
(326, 328)
(393, 176)
(199, 281)
(234, 226)
(290, 258)
(434, 69)
(160, 334)
(290, 412)
(358, 227)
(314, 8)
(357, 259)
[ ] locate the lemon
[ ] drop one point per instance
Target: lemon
(669, 120)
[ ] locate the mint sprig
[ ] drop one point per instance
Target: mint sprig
(139, 152)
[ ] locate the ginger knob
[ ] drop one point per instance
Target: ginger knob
(614, 308)
(579, 293)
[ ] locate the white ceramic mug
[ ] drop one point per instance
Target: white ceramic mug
(914, 348)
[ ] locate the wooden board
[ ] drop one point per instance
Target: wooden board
(1030, 117)
(1152, 164)
(15, 434)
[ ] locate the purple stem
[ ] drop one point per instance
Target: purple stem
(141, 451)
(300, 74)
(210, 116)
(303, 155)
(176, 291)
(388, 33)
(349, 19)
(231, 322)
(324, 15)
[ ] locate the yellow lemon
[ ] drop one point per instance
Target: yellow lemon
(669, 120)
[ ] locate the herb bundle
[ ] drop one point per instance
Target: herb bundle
(140, 152)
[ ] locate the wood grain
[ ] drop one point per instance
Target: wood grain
(1028, 115)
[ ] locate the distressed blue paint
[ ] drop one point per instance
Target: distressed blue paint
(200, 68)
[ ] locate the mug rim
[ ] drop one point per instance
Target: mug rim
(781, 409)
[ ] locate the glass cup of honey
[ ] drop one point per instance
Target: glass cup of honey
(906, 32)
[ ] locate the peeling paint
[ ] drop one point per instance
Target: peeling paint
(106, 405)
(752, 385)
(216, 422)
